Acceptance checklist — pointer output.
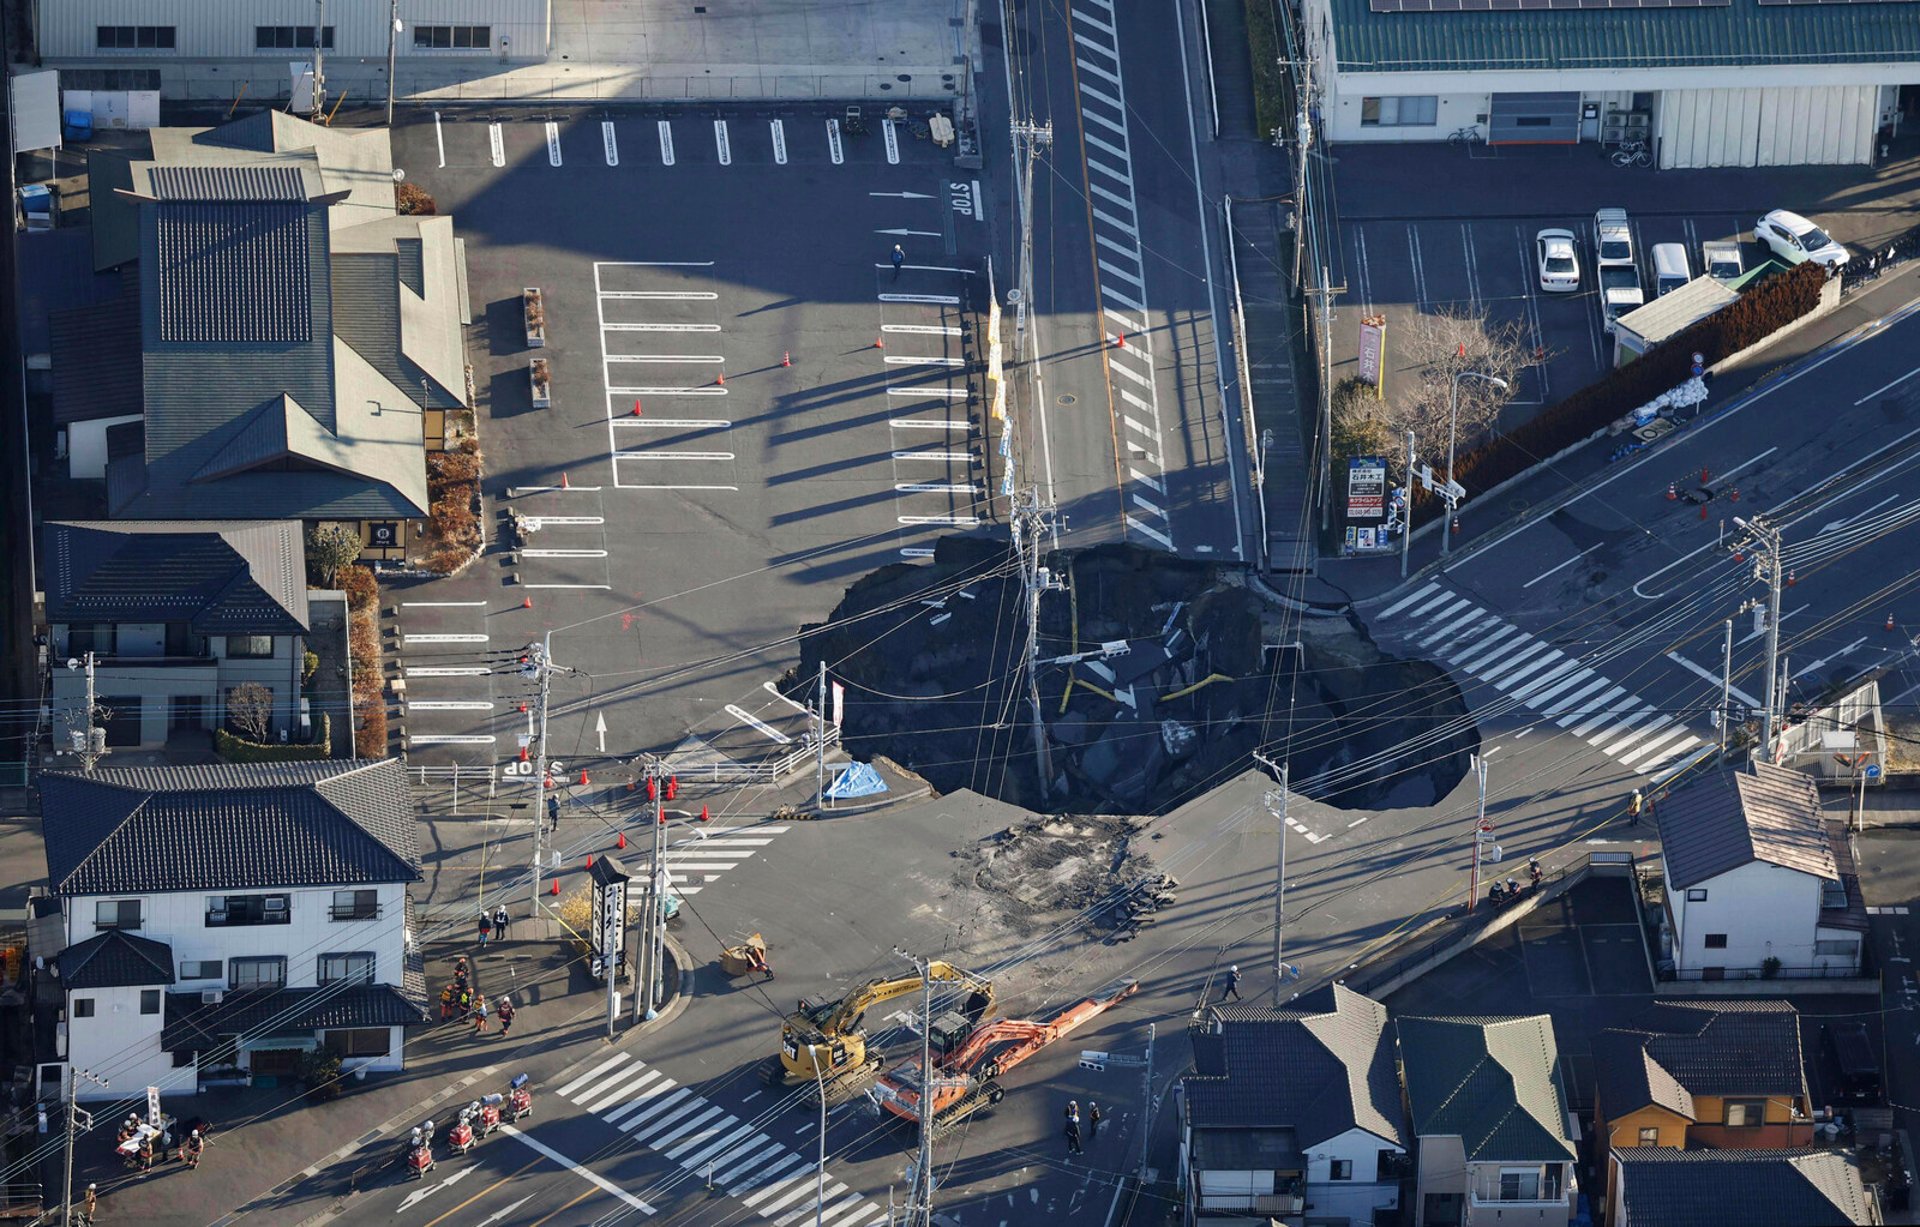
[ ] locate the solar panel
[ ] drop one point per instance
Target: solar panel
(1490, 6)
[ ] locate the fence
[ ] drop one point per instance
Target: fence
(1867, 266)
(1828, 742)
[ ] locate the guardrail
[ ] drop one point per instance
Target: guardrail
(766, 771)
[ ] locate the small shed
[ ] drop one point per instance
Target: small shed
(1641, 329)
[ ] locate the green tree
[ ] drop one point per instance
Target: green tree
(1359, 423)
(330, 549)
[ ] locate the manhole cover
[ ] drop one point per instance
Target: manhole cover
(1067, 398)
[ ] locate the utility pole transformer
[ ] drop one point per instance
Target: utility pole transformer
(74, 1075)
(1764, 540)
(1030, 520)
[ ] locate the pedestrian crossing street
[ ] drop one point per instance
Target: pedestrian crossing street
(1123, 288)
(693, 863)
(712, 1145)
(1528, 670)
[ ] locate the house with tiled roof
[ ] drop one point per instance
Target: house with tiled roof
(1494, 1137)
(1293, 1114)
(176, 615)
(1724, 1074)
(221, 921)
(1755, 1188)
(1757, 881)
(1703, 82)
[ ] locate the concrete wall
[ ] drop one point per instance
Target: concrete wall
(225, 29)
(120, 1044)
(1764, 911)
(1355, 1199)
(1442, 1169)
(1484, 1206)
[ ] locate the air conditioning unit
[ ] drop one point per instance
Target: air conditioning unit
(211, 996)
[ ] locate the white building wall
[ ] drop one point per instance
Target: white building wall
(1354, 1199)
(87, 447)
(1793, 126)
(1765, 910)
(224, 29)
(122, 1045)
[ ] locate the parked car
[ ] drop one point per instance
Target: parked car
(1558, 259)
(1855, 1062)
(1620, 293)
(1795, 239)
(1721, 259)
(1612, 239)
(1670, 270)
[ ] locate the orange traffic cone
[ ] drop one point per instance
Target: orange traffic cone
(1790, 579)
(879, 342)
(564, 483)
(1889, 621)
(1703, 511)
(622, 841)
(1706, 475)
(1734, 493)
(523, 708)
(556, 887)
(703, 814)
(786, 357)
(1120, 340)
(720, 380)
(636, 406)
(526, 602)
(1672, 492)
(583, 777)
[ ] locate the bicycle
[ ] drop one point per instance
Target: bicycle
(1633, 153)
(1469, 135)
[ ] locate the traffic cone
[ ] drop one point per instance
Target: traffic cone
(1734, 493)
(673, 787)
(1889, 621)
(1456, 527)
(663, 818)
(589, 860)
(523, 754)
(1703, 511)
(583, 777)
(632, 784)
(1790, 579)
(523, 708)
(1739, 556)
(636, 406)
(1706, 475)
(1673, 492)
(703, 814)
(621, 842)
(1119, 340)
(720, 380)
(786, 357)
(879, 342)
(549, 781)
(556, 887)
(526, 602)
(564, 483)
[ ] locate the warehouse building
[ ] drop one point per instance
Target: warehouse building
(1706, 82)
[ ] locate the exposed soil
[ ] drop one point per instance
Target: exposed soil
(1179, 671)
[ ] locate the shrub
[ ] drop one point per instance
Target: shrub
(250, 710)
(362, 589)
(320, 1072)
(370, 739)
(1359, 429)
(453, 466)
(309, 665)
(412, 200)
(239, 750)
(1269, 78)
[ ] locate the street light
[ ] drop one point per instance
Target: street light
(1453, 430)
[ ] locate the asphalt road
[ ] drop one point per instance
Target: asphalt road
(1130, 437)
(751, 407)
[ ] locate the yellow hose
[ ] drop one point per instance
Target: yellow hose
(1209, 680)
(1073, 603)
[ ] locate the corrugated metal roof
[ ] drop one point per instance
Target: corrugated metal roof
(222, 184)
(234, 273)
(1742, 34)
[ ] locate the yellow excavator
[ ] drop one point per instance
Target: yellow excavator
(824, 1046)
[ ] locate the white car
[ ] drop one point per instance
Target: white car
(1558, 259)
(1612, 239)
(1795, 239)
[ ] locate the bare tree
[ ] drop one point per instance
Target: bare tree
(250, 710)
(1440, 345)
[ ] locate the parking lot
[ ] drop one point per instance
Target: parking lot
(750, 407)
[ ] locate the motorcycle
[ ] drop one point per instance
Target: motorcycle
(460, 1135)
(519, 1099)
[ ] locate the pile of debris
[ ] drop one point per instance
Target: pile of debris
(1046, 869)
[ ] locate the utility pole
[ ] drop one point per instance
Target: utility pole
(393, 39)
(89, 740)
(73, 1119)
(319, 112)
(1029, 521)
(657, 894)
(820, 741)
(1276, 803)
(1030, 138)
(538, 664)
(1726, 686)
(1406, 528)
(1480, 832)
(920, 1203)
(1764, 540)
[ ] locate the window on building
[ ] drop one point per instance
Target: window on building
(243, 974)
(83, 1007)
(437, 38)
(1519, 1184)
(1846, 947)
(210, 969)
(354, 968)
(1746, 1113)
(116, 914)
(96, 637)
(280, 38)
(356, 905)
(1716, 941)
(1649, 1135)
(358, 1042)
(250, 647)
(1411, 111)
(1340, 1169)
(229, 911)
(1697, 894)
(149, 1001)
(133, 38)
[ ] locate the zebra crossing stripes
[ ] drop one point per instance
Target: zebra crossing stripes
(707, 1141)
(1530, 671)
(693, 863)
(1129, 346)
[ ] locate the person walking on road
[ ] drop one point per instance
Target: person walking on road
(90, 1203)
(1093, 1121)
(486, 927)
(1073, 1137)
(1073, 1112)
(1635, 805)
(899, 259)
(506, 1016)
(1233, 984)
(480, 1016)
(500, 919)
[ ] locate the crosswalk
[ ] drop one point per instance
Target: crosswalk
(693, 863)
(1122, 264)
(1440, 622)
(716, 1146)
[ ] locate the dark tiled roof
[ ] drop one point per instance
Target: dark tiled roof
(1320, 1068)
(116, 960)
(1629, 1078)
(1728, 1047)
(193, 1024)
(1733, 35)
(114, 218)
(1493, 1082)
(1662, 1187)
(243, 577)
(140, 829)
(234, 272)
(1724, 821)
(96, 359)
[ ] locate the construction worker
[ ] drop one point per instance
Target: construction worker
(899, 259)
(506, 1016)
(1635, 805)
(1233, 984)
(90, 1203)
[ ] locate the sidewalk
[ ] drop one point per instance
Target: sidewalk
(1356, 581)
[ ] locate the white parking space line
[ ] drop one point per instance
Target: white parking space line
(439, 140)
(407, 670)
(777, 129)
(440, 638)
(666, 143)
(664, 390)
(553, 143)
(722, 143)
(449, 739)
(443, 604)
(496, 146)
(893, 142)
(609, 143)
(834, 148)
(449, 705)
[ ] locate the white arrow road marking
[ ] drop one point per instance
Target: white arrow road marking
(590, 1177)
(498, 1215)
(904, 195)
(600, 729)
(418, 1195)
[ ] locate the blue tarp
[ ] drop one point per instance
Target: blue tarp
(858, 780)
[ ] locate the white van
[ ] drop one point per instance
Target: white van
(1670, 270)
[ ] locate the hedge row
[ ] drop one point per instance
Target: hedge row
(240, 750)
(1764, 309)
